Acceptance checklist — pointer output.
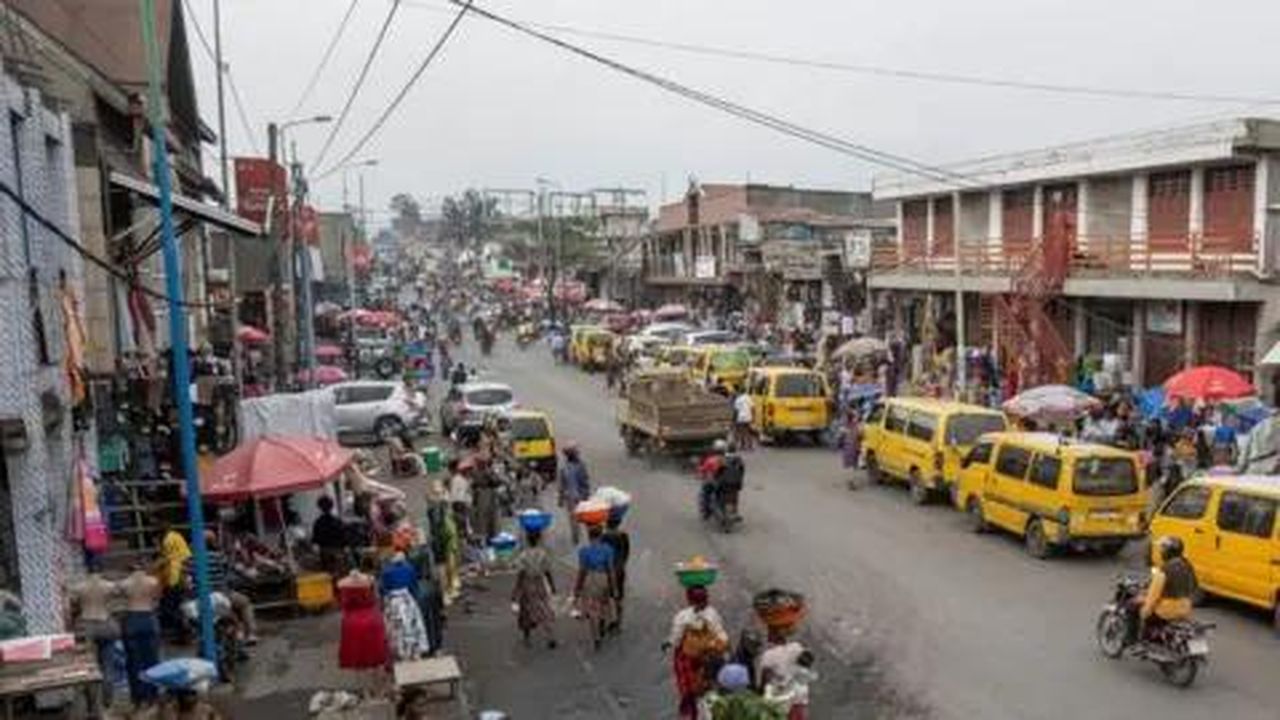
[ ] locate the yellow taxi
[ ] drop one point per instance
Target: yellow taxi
(723, 366)
(1229, 534)
(788, 401)
(597, 345)
(676, 356)
(578, 341)
(1055, 492)
(533, 440)
(920, 441)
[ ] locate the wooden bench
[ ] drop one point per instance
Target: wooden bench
(441, 670)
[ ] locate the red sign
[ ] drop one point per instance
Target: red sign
(257, 181)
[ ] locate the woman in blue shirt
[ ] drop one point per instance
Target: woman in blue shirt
(594, 588)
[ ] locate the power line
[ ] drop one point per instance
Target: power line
(324, 59)
(236, 100)
(404, 91)
(355, 89)
(887, 71)
(831, 142)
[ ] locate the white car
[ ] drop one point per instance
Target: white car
(710, 337)
(467, 405)
(382, 408)
(669, 331)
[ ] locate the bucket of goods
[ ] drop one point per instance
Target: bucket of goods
(697, 572)
(591, 512)
(619, 501)
(503, 544)
(779, 610)
(534, 520)
(433, 459)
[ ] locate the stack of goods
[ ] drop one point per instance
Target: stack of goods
(591, 512)
(503, 545)
(780, 610)
(619, 501)
(697, 572)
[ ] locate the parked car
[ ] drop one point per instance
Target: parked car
(466, 406)
(378, 407)
(710, 337)
(672, 332)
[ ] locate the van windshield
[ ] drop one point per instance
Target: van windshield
(965, 429)
(529, 428)
(489, 396)
(730, 361)
(798, 386)
(1105, 476)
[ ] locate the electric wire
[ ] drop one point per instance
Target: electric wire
(245, 126)
(404, 91)
(324, 59)
(355, 89)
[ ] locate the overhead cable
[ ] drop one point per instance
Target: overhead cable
(324, 59)
(245, 126)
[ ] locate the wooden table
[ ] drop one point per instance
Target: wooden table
(76, 669)
(440, 670)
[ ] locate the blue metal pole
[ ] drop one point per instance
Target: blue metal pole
(177, 330)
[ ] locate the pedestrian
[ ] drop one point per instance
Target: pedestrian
(851, 441)
(534, 592)
(743, 411)
(484, 509)
(620, 540)
(140, 630)
(699, 641)
(91, 616)
(785, 671)
(575, 485)
(222, 576)
(595, 597)
(460, 497)
(402, 614)
(170, 566)
(329, 535)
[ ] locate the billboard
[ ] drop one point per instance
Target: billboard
(257, 181)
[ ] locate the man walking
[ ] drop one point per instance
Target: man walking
(575, 485)
(743, 414)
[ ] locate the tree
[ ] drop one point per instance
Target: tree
(407, 221)
(466, 219)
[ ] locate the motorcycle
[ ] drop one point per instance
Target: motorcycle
(1178, 648)
(724, 509)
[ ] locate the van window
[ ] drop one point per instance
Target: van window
(980, 454)
(896, 419)
(1105, 476)
(1189, 504)
(874, 417)
(1246, 514)
(529, 428)
(798, 386)
(1044, 471)
(966, 428)
(923, 426)
(1013, 462)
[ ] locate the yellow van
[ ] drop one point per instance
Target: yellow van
(1055, 492)
(578, 341)
(533, 440)
(921, 441)
(676, 356)
(1229, 534)
(788, 401)
(719, 366)
(597, 346)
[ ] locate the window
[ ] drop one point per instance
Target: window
(1246, 515)
(1105, 476)
(368, 393)
(1044, 471)
(1189, 504)
(980, 454)
(896, 419)
(798, 386)
(876, 415)
(966, 429)
(923, 426)
(1013, 462)
(529, 428)
(489, 396)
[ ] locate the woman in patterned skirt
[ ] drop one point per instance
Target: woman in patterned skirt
(534, 589)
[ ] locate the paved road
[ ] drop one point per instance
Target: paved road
(912, 614)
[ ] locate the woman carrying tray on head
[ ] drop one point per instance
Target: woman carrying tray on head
(535, 586)
(698, 638)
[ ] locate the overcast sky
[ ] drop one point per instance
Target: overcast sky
(498, 110)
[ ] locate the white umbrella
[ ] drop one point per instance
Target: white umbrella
(861, 347)
(1051, 403)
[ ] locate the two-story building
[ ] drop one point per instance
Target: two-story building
(778, 252)
(1158, 249)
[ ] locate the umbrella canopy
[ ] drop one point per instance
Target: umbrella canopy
(272, 465)
(1051, 403)
(1209, 383)
(861, 347)
(328, 351)
(325, 375)
(603, 306)
(327, 308)
(671, 311)
(250, 334)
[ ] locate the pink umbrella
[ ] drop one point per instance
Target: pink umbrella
(602, 306)
(1209, 383)
(325, 375)
(329, 351)
(672, 311)
(250, 335)
(274, 465)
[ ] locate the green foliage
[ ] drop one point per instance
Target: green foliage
(467, 219)
(745, 706)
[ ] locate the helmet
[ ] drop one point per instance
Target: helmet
(570, 449)
(720, 446)
(1170, 547)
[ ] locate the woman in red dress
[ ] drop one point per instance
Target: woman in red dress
(364, 635)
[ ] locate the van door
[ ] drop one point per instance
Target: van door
(1040, 492)
(971, 480)
(1186, 517)
(1244, 546)
(892, 451)
(921, 432)
(1005, 488)
(758, 390)
(873, 428)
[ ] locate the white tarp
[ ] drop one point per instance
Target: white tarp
(308, 414)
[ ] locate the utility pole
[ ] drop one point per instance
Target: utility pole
(306, 309)
(181, 365)
(283, 273)
(237, 367)
(364, 235)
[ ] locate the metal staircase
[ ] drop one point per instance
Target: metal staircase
(1028, 340)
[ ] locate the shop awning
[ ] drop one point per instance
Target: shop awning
(191, 207)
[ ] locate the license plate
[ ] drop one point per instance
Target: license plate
(1197, 646)
(1105, 515)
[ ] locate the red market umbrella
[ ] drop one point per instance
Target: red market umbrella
(325, 375)
(274, 465)
(671, 311)
(329, 351)
(1209, 383)
(249, 334)
(601, 305)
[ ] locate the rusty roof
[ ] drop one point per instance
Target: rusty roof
(104, 34)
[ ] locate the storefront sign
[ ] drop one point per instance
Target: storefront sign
(1165, 317)
(704, 267)
(258, 180)
(857, 248)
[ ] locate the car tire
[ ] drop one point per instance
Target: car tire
(977, 518)
(387, 427)
(874, 474)
(1037, 543)
(1275, 615)
(915, 486)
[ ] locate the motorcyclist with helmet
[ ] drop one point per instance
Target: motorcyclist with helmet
(722, 473)
(1168, 597)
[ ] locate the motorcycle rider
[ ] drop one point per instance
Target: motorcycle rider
(722, 472)
(1168, 598)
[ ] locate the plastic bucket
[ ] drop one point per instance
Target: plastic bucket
(433, 459)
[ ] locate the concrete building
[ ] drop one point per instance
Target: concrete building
(1158, 249)
(338, 238)
(792, 251)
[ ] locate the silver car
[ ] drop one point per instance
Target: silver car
(467, 405)
(379, 408)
